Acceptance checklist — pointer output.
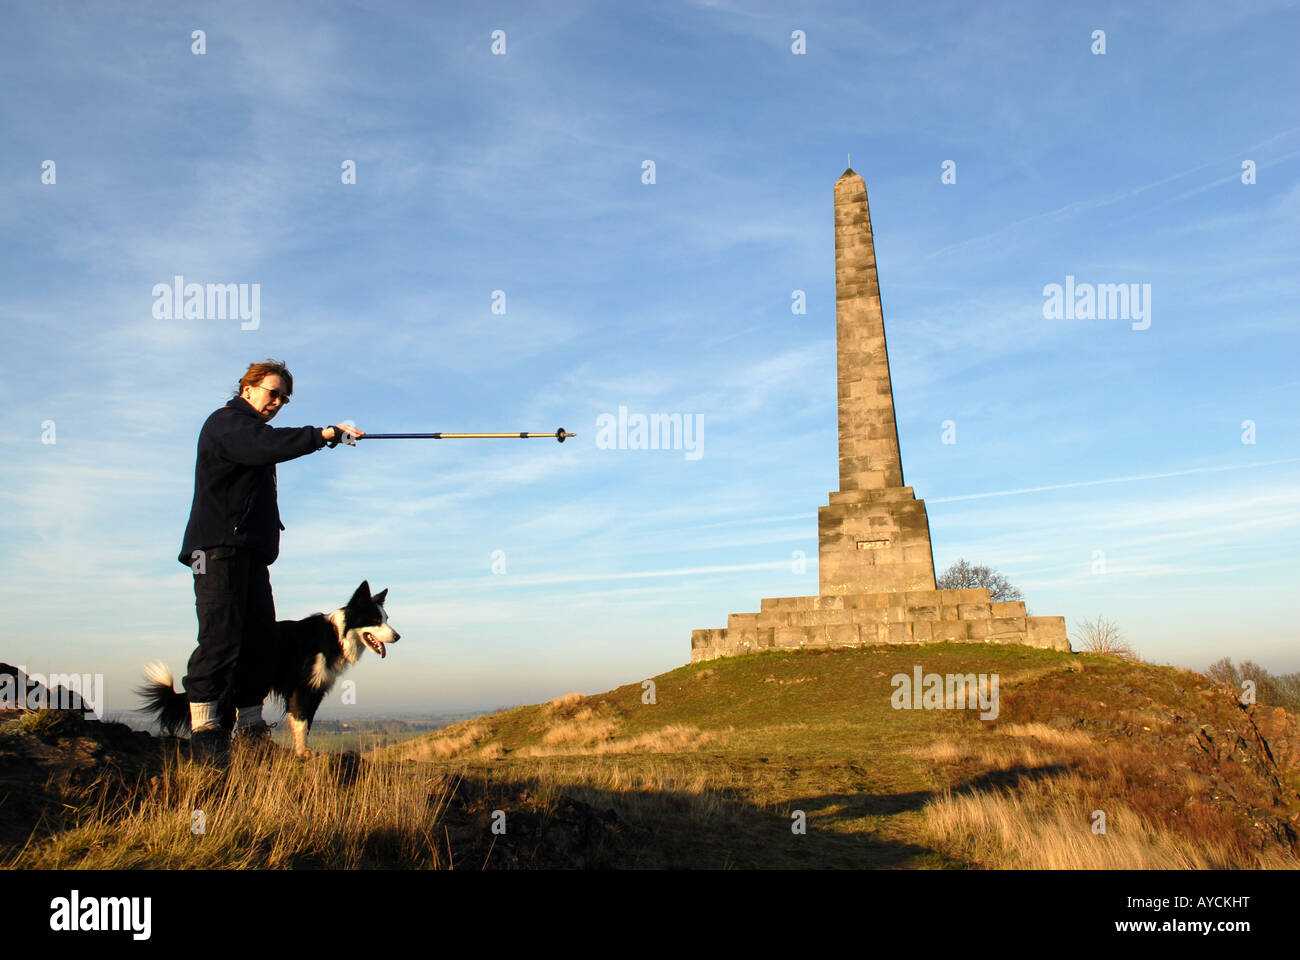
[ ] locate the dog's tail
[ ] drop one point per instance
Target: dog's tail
(170, 709)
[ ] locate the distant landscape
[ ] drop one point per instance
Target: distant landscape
(356, 732)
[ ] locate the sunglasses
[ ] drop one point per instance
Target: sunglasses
(275, 394)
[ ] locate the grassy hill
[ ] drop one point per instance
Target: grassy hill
(721, 768)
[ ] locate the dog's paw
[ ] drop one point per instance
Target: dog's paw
(303, 754)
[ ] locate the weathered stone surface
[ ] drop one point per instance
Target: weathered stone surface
(1048, 633)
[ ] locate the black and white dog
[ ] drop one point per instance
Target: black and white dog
(310, 655)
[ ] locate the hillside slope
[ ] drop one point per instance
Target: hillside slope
(770, 760)
(718, 766)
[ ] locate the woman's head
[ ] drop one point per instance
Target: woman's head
(266, 387)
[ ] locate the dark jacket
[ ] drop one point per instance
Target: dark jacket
(234, 480)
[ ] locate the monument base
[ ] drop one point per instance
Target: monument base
(858, 620)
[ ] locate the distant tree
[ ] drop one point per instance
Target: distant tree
(1103, 636)
(1271, 690)
(1223, 671)
(963, 576)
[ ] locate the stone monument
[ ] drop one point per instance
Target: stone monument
(875, 566)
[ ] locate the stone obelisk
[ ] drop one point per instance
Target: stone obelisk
(874, 536)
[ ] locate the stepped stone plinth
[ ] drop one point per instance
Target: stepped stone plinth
(875, 564)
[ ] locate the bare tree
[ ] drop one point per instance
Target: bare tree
(1103, 636)
(963, 576)
(1223, 671)
(1270, 689)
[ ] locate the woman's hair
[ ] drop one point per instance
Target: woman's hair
(257, 372)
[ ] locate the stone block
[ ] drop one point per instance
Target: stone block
(786, 636)
(742, 621)
(707, 638)
(950, 631)
(1047, 633)
(900, 632)
(1008, 608)
(812, 637)
(873, 632)
(922, 613)
(820, 618)
(969, 611)
(840, 634)
(1006, 625)
(921, 631)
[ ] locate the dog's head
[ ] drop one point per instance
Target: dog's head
(365, 624)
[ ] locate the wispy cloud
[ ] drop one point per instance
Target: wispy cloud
(1131, 479)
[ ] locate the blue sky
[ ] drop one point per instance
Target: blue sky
(523, 173)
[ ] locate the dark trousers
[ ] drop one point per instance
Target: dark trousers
(237, 630)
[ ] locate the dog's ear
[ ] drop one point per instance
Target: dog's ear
(362, 593)
(379, 597)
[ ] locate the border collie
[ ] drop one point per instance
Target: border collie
(310, 655)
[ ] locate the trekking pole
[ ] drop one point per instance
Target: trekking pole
(561, 435)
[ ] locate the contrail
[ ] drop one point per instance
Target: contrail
(533, 581)
(1094, 483)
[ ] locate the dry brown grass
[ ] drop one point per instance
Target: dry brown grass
(1048, 824)
(1154, 819)
(564, 704)
(583, 727)
(1034, 674)
(943, 750)
(1070, 739)
(443, 745)
(277, 814)
(674, 738)
(654, 787)
(991, 756)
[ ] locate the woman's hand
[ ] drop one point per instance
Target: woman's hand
(342, 433)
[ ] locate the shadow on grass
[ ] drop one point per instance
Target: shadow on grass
(490, 819)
